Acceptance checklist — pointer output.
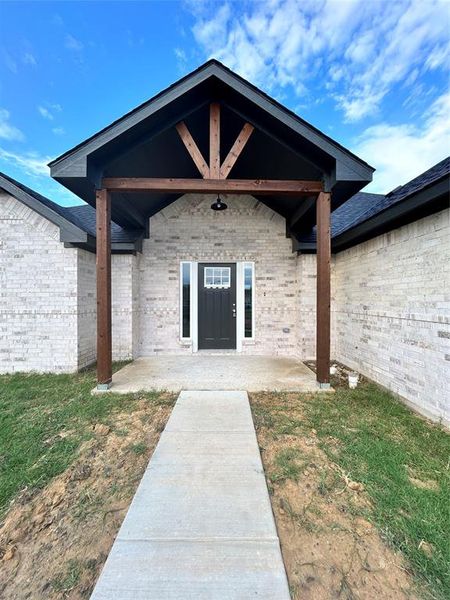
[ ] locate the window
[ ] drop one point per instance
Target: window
(186, 299)
(249, 289)
(217, 277)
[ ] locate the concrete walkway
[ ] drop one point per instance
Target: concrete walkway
(200, 525)
(202, 371)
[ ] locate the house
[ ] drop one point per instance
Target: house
(208, 213)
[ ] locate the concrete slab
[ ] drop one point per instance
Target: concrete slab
(229, 570)
(201, 524)
(214, 372)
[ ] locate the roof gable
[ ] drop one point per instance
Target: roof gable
(145, 143)
(213, 70)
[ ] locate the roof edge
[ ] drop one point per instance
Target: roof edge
(69, 232)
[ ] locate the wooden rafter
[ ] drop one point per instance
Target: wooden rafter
(193, 149)
(214, 141)
(286, 187)
(215, 170)
(236, 150)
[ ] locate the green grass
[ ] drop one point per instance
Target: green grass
(138, 448)
(43, 421)
(382, 444)
(288, 465)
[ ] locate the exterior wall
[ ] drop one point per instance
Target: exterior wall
(391, 312)
(306, 290)
(48, 304)
(125, 306)
(247, 231)
(38, 293)
(86, 308)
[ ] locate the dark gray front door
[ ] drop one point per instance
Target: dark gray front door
(216, 306)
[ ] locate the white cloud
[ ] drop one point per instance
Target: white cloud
(48, 110)
(29, 59)
(31, 163)
(9, 62)
(58, 130)
(44, 112)
(73, 44)
(359, 50)
(7, 131)
(180, 54)
(401, 152)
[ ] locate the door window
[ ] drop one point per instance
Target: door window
(217, 277)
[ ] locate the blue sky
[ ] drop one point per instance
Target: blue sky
(374, 74)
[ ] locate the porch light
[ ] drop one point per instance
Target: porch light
(218, 204)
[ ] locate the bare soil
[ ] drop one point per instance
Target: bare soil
(53, 543)
(330, 548)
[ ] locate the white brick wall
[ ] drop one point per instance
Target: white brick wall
(87, 308)
(391, 312)
(125, 299)
(189, 230)
(38, 293)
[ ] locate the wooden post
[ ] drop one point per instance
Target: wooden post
(323, 290)
(104, 347)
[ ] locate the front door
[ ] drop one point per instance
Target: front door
(216, 306)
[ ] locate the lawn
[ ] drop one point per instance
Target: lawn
(363, 463)
(69, 465)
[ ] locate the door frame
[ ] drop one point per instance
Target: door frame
(239, 301)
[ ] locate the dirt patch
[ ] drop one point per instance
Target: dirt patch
(330, 547)
(53, 543)
(338, 374)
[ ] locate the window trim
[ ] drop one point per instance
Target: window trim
(191, 300)
(220, 286)
(252, 266)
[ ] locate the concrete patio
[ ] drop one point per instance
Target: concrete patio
(212, 371)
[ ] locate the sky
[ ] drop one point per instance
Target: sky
(372, 74)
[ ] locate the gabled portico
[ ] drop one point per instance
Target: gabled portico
(211, 133)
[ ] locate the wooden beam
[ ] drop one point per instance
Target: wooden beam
(287, 187)
(104, 345)
(323, 289)
(214, 140)
(193, 149)
(236, 150)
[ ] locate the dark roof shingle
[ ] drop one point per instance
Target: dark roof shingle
(362, 206)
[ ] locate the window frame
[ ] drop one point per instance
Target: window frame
(221, 285)
(191, 300)
(251, 265)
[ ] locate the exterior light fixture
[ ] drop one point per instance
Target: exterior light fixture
(218, 204)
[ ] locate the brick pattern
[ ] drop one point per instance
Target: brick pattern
(38, 293)
(86, 308)
(189, 230)
(306, 308)
(124, 306)
(391, 312)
